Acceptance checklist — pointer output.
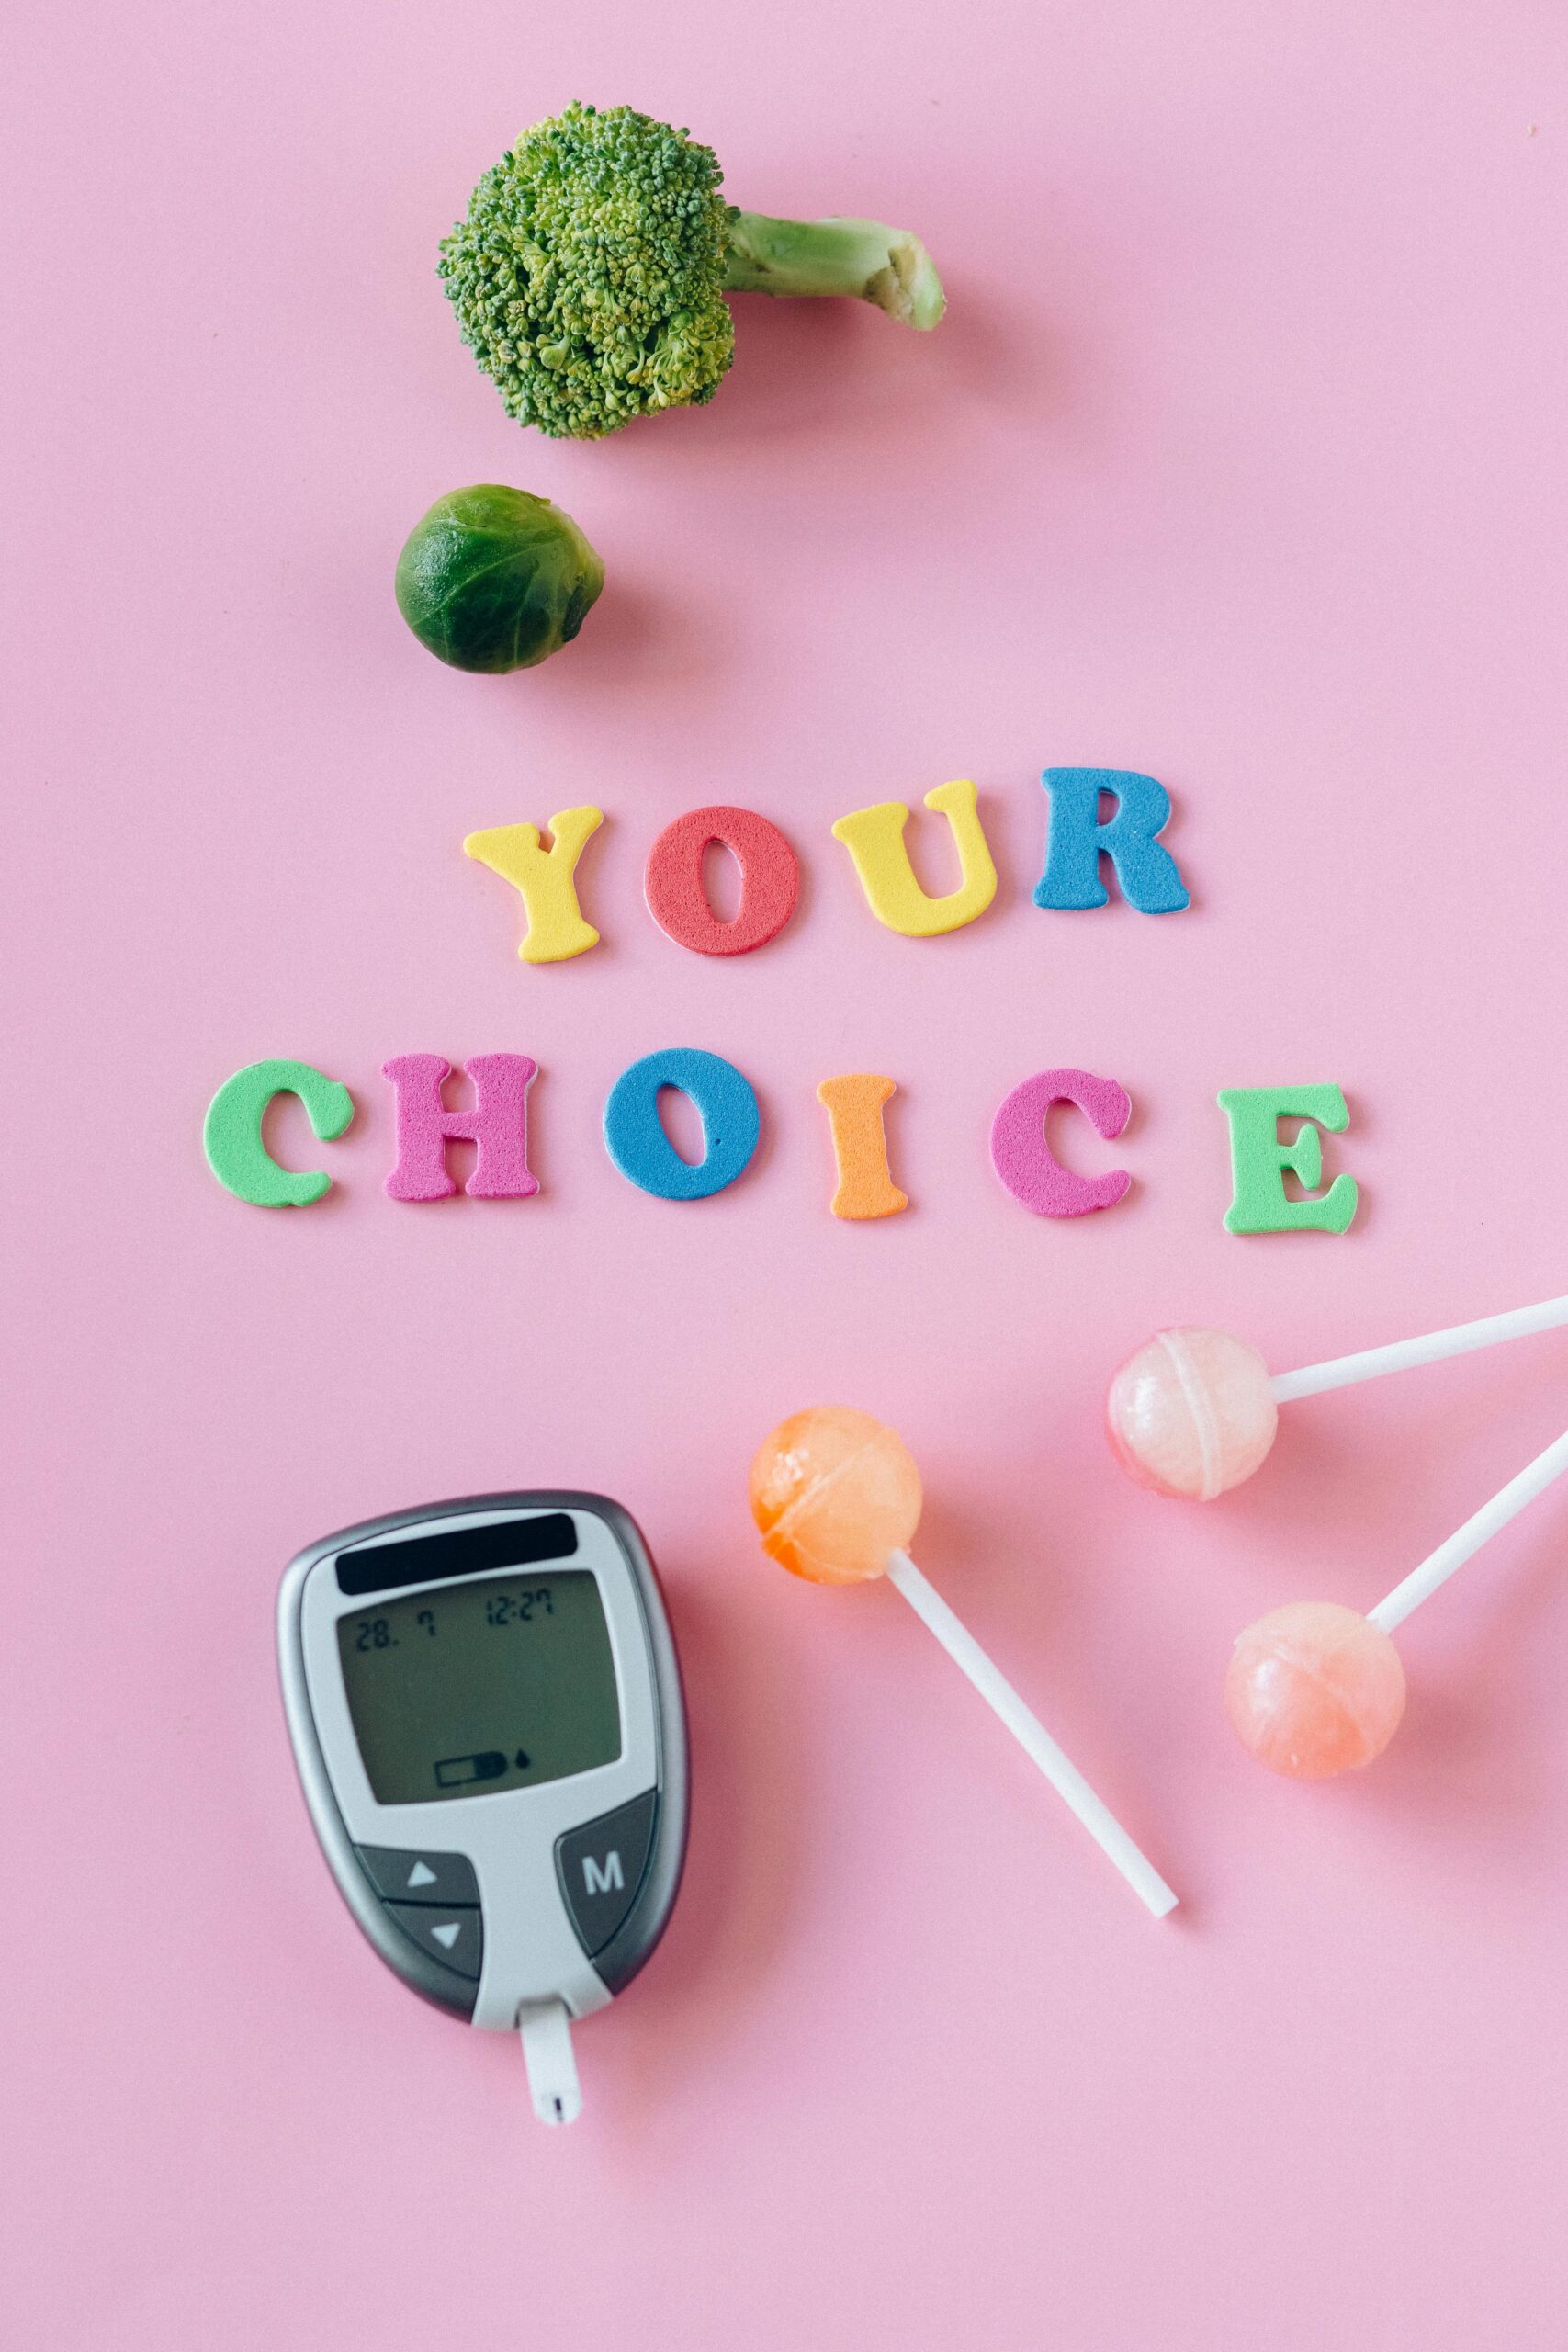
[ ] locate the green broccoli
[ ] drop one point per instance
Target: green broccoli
(588, 277)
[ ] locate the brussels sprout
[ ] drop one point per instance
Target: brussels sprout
(491, 579)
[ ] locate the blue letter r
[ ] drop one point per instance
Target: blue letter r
(1147, 873)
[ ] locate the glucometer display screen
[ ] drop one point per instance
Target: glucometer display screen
(494, 1685)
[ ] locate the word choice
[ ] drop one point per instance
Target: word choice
(496, 1123)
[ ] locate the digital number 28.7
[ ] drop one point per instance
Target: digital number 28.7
(375, 1634)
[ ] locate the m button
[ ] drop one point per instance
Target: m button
(601, 1869)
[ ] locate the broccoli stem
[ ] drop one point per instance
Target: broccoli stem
(883, 265)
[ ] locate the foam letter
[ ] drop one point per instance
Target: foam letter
(1024, 1161)
(498, 1124)
(644, 1153)
(1146, 872)
(556, 925)
(874, 839)
(673, 882)
(231, 1136)
(853, 1105)
(1259, 1159)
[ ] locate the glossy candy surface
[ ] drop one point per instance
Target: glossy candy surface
(1313, 1690)
(1192, 1413)
(834, 1492)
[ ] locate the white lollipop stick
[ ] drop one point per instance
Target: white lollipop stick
(1371, 1363)
(1423, 1581)
(1031, 1734)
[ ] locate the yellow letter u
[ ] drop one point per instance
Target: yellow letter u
(874, 839)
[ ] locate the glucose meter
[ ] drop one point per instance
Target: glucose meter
(486, 1712)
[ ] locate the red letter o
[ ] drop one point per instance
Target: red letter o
(673, 882)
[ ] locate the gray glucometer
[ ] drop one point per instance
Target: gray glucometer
(486, 1712)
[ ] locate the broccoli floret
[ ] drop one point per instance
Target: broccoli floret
(588, 277)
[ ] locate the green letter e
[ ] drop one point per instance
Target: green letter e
(1259, 1159)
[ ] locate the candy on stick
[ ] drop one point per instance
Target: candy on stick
(1314, 1688)
(837, 1497)
(1194, 1412)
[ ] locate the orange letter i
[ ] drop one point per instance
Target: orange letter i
(853, 1105)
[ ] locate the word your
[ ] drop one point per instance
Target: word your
(545, 880)
(497, 1123)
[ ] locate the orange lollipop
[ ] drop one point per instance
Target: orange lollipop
(837, 1497)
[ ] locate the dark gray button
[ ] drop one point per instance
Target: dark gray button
(600, 1868)
(416, 1877)
(453, 1936)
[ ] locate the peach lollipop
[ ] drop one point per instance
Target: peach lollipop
(1314, 1689)
(1194, 1411)
(837, 1497)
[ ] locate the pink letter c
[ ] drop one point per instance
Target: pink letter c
(1023, 1159)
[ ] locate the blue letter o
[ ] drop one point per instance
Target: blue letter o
(644, 1153)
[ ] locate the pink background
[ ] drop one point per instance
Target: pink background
(1238, 459)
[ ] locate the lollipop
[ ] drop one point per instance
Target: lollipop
(837, 1497)
(1314, 1689)
(1194, 1412)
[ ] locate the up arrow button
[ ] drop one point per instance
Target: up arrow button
(400, 1874)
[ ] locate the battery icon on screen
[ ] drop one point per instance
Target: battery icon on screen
(457, 1771)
